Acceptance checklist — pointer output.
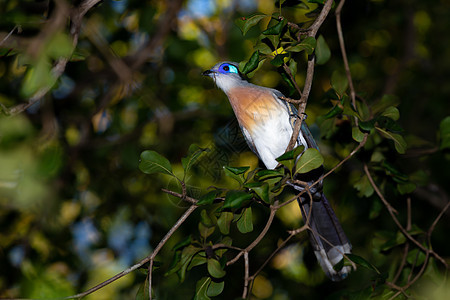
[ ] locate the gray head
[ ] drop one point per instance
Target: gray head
(226, 75)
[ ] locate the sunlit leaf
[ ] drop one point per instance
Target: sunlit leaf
(245, 222)
(323, 52)
(311, 159)
(153, 162)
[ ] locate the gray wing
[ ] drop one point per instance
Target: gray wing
(293, 114)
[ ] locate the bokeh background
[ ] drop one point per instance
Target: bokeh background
(74, 207)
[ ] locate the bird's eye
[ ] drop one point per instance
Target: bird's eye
(226, 68)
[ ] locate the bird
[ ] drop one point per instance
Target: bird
(267, 123)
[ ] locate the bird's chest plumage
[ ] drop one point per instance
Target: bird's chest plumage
(265, 121)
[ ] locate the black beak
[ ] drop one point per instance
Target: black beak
(207, 72)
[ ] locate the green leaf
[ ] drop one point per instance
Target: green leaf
(198, 260)
(194, 153)
(311, 159)
(362, 262)
(252, 63)
(261, 189)
(398, 239)
(308, 45)
(364, 187)
(415, 257)
(183, 263)
(262, 48)
(237, 170)
(288, 158)
(208, 198)
(388, 123)
(38, 77)
(215, 269)
(153, 162)
(276, 29)
(235, 199)
(269, 174)
(392, 113)
(367, 125)
(215, 288)
(406, 188)
(245, 222)
(224, 222)
(399, 141)
(206, 219)
(323, 52)
(59, 46)
(393, 171)
(384, 103)
(201, 289)
(183, 243)
(336, 110)
(445, 133)
(205, 231)
(249, 22)
(142, 293)
(339, 82)
(237, 173)
(357, 135)
(293, 67)
(278, 61)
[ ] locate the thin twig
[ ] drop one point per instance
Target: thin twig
(260, 236)
(150, 257)
(344, 55)
(360, 145)
(246, 275)
(396, 221)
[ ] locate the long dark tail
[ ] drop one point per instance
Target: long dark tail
(326, 235)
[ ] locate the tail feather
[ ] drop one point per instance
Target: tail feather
(326, 235)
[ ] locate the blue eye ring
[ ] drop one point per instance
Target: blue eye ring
(228, 68)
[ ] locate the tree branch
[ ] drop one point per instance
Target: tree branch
(150, 258)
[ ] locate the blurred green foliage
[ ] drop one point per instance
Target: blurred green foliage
(76, 209)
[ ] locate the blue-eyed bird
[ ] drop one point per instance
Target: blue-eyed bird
(267, 124)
